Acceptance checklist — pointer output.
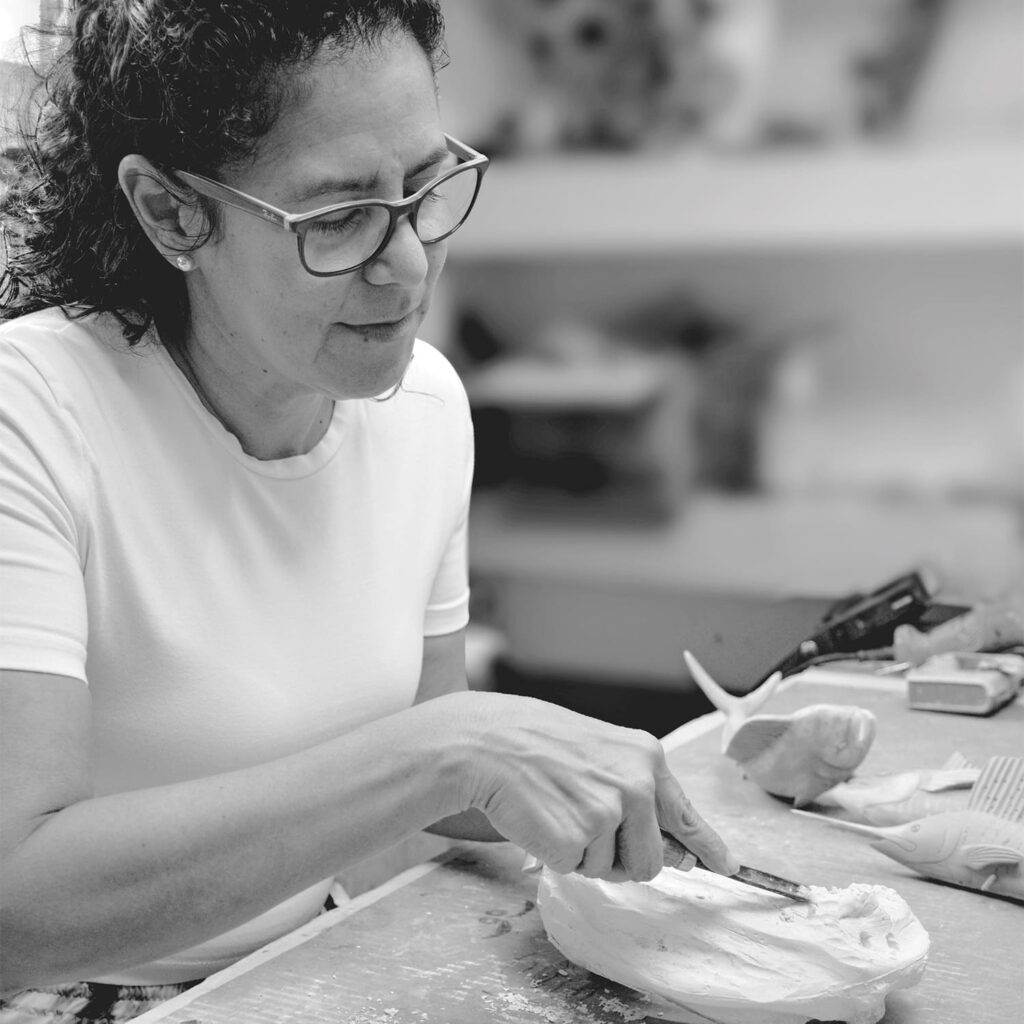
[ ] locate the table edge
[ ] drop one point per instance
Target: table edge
(291, 940)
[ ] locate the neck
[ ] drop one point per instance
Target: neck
(266, 428)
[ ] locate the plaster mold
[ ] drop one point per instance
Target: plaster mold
(716, 950)
(796, 756)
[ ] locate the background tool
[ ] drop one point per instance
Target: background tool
(674, 854)
(990, 626)
(863, 626)
(965, 683)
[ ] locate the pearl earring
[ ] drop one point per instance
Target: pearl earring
(184, 263)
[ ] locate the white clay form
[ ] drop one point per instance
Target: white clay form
(795, 756)
(899, 798)
(980, 847)
(732, 954)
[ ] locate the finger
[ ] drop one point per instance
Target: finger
(565, 861)
(679, 817)
(703, 841)
(599, 857)
(639, 846)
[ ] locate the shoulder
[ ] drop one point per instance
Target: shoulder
(432, 372)
(78, 372)
(35, 356)
(50, 323)
(57, 345)
(40, 429)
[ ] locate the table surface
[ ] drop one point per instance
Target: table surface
(460, 941)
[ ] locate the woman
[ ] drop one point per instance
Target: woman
(234, 503)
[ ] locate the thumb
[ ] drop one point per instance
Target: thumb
(678, 817)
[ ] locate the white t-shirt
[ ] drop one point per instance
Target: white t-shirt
(223, 610)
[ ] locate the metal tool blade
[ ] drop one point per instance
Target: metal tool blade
(773, 883)
(674, 854)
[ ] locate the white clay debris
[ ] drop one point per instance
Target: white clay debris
(739, 955)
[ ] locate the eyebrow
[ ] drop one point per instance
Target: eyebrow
(328, 186)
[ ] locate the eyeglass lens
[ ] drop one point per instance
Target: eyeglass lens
(342, 240)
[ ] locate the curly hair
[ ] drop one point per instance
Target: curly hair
(189, 84)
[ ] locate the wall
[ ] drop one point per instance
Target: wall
(894, 434)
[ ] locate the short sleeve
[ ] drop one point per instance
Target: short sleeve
(448, 607)
(43, 619)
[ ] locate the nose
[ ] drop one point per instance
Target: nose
(404, 260)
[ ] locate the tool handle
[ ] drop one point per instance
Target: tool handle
(674, 854)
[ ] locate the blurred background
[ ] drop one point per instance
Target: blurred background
(740, 312)
(741, 315)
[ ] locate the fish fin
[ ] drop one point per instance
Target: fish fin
(1000, 789)
(756, 735)
(957, 760)
(949, 778)
(983, 855)
(724, 701)
(757, 698)
(807, 792)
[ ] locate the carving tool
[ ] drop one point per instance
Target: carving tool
(674, 854)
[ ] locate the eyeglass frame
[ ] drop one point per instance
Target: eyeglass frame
(396, 209)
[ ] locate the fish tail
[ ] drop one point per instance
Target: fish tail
(1000, 788)
(722, 700)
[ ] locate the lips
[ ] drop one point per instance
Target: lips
(384, 322)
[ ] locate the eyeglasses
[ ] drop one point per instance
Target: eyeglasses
(342, 238)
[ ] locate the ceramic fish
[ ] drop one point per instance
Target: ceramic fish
(980, 848)
(797, 756)
(904, 796)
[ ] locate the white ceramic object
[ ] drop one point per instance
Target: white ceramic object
(899, 798)
(730, 954)
(980, 847)
(796, 756)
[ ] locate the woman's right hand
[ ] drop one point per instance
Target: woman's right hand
(577, 793)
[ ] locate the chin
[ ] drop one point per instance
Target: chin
(384, 385)
(366, 371)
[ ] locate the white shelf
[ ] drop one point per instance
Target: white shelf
(773, 546)
(579, 206)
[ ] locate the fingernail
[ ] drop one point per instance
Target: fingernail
(531, 865)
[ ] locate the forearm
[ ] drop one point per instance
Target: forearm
(124, 879)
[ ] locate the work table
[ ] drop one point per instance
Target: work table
(459, 940)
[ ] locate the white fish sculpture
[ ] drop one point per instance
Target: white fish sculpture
(796, 756)
(901, 797)
(980, 848)
(703, 946)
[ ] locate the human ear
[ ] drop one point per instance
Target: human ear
(170, 222)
